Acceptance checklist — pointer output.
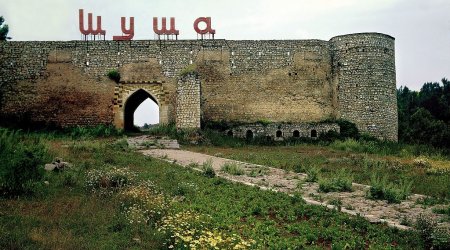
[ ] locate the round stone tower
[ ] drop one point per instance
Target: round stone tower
(364, 72)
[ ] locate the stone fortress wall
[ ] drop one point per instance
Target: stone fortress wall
(282, 81)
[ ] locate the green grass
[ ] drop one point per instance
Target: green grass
(443, 210)
(69, 215)
(207, 169)
(342, 182)
(232, 168)
(313, 174)
(304, 157)
(381, 189)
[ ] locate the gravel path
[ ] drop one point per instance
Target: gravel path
(377, 211)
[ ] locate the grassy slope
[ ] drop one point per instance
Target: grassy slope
(66, 216)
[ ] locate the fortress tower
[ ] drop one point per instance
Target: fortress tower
(364, 69)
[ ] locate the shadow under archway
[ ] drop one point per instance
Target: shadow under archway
(132, 104)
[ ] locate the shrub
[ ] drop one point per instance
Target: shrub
(381, 189)
(440, 239)
(207, 169)
(114, 75)
(425, 227)
(313, 174)
(264, 122)
(348, 129)
(21, 163)
(69, 179)
(341, 183)
(434, 236)
(232, 168)
(329, 136)
(337, 203)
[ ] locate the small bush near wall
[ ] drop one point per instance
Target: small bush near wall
(191, 69)
(348, 129)
(114, 75)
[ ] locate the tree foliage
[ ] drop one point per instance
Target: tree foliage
(424, 116)
(4, 29)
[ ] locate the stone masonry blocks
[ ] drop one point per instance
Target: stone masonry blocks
(281, 81)
(188, 102)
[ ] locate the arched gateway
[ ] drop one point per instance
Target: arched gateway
(129, 95)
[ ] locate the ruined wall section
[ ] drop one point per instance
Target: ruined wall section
(364, 68)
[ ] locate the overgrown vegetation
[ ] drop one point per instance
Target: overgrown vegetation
(313, 174)
(191, 69)
(381, 188)
(208, 169)
(232, 168)
(429, 179)
(434, 237)
(152, 204)
(342, 182)
(21, 163)
(443, 210)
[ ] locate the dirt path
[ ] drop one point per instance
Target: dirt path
(377, 211)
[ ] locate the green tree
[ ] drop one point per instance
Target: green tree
(424, 116)
(4, 29)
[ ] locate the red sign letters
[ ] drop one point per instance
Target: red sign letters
(90, 30)
(164, 30)
(128, 34)
(207, 29)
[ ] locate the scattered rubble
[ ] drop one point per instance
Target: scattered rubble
(57, 165)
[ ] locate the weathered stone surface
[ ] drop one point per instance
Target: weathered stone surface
(280, 131)
(296, 81)
(148, 142)
(188, 102)
(49, 167)
(57, 164)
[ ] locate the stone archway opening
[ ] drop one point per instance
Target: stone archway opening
(249, 135)
(136, 116)
(279, 134)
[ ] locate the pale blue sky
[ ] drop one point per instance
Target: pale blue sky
(421, 27)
